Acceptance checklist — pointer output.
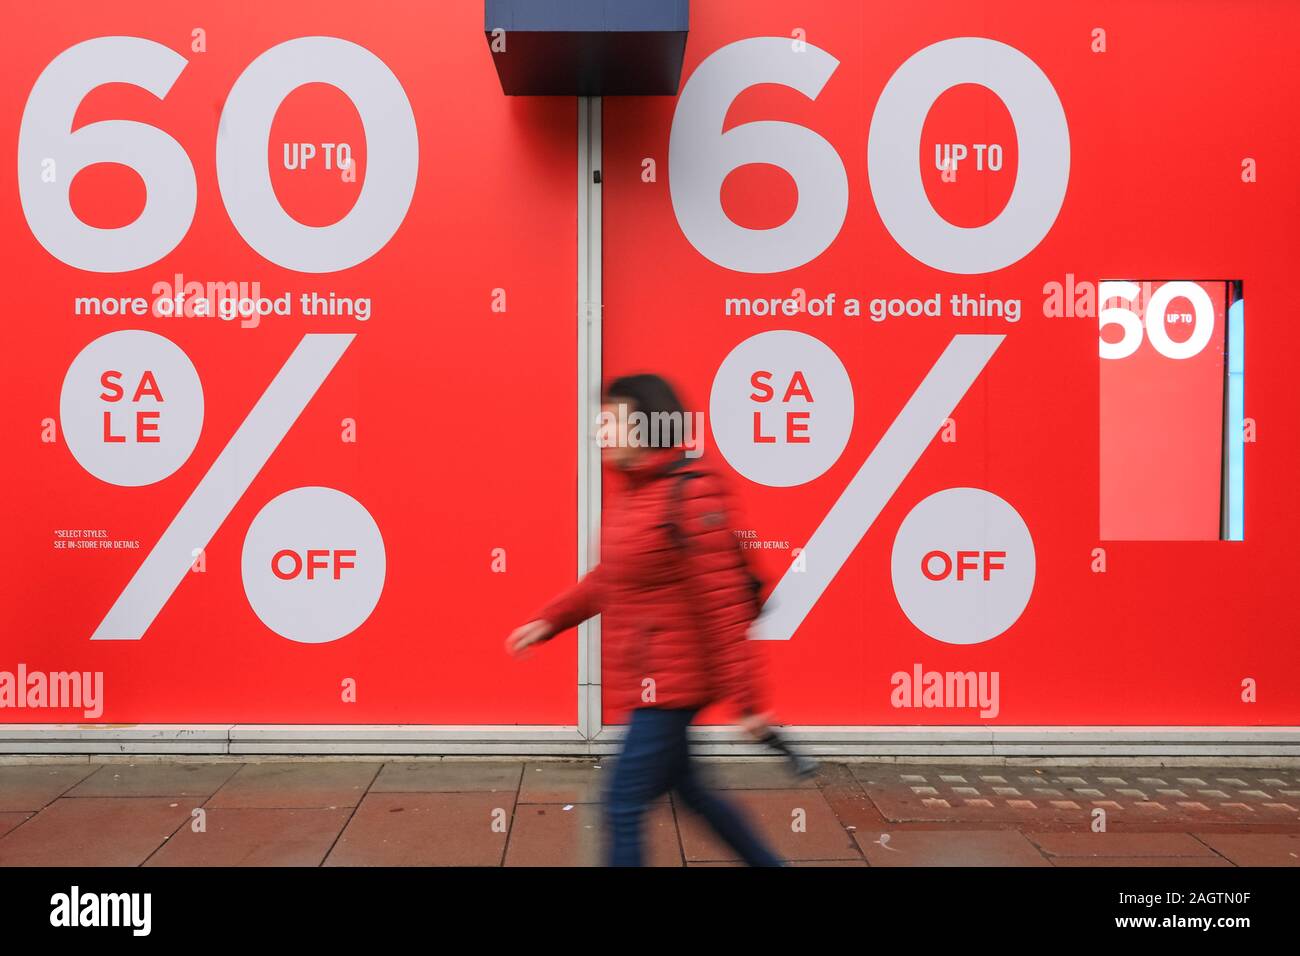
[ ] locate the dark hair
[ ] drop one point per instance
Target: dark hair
(652, 395)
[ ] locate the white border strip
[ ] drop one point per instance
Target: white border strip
(590, 355)
(1212, 744)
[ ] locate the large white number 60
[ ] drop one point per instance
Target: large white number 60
(700, 156)
(1156, 332)
(50, 155)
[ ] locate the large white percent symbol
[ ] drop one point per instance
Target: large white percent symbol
(702, 155)
(867, 493)
(222, 486)
(46, 133)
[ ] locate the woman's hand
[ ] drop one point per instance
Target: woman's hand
(755, 725)
(521, 638)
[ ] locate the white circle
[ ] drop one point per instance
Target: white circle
(131, 407)
(767, 438)
(963, 566)
(331, 563)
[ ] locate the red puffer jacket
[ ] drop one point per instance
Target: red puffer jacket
(675, 608)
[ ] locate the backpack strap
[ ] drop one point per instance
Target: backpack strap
(679, 540)
(680, 477)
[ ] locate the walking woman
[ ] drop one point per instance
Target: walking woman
(676, 600)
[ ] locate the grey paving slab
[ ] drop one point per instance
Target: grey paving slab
(255, 838)
(790, 863)
(95, 831)
(426, 829)
(816, 863)
(295, 786)
(692, 864)
(950, 848)
(753, 775)
(446, 776)
(797, 824)
(1255, 849)
(567, 781)
(12, 818)
(1119, 844)
(1161, 861)
(33, 786)
(155, 780)
(549, 835)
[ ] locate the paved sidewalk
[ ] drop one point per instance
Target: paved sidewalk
(493, 812)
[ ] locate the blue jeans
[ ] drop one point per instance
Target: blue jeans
(656, 759)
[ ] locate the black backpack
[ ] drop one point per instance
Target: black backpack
(675, 533)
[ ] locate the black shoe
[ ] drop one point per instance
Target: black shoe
(801, 764)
